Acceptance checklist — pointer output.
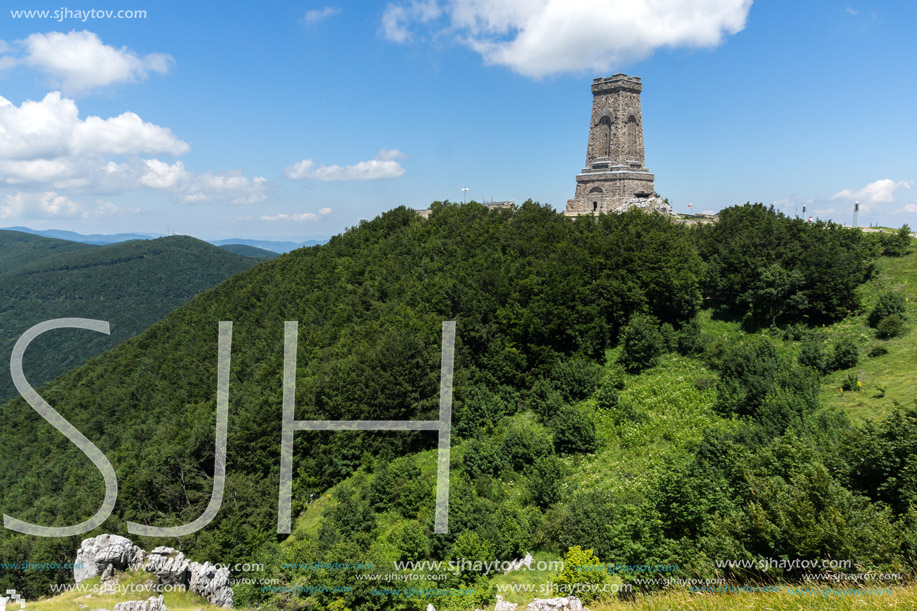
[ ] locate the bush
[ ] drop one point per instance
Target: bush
(813, 354)
(888, 304)
(581, 567)
(545, 400)
(846, 354)
(607, 396)
(574, 432)
(482, 457)
(669, 340)
(890, 326)
(852, 382)
(545, 477)
(642, 342)
(524, 442)
(410, 541)
(757, 381)
(689, 341)
(575, 378)
(878, 351)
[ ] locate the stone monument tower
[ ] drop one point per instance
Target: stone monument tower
(615, 177)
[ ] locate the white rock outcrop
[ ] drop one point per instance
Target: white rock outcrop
(503, 605)
(106, 554)
(154, 603)
(566, 603)
(97, 553)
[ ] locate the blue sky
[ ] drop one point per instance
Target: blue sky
(297, 119)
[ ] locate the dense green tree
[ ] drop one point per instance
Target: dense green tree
(574, 432)
(642, 343)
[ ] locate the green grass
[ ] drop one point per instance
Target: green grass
(899, 598)
(889, 379)
(89, 596)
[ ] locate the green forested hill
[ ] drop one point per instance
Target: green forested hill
(18, 249)
(637, 387)
(249, 251)
(130, 284)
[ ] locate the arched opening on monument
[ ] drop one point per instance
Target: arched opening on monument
(595, 203)
(603, 144)
(631, 134)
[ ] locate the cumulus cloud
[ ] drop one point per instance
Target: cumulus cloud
(191, 188)
(324, 211)
(877, 192)
(40, 205)
(315, 15)
(540, 37)
(384, 165)
(79, 61)
(47, 146)
(51, 128)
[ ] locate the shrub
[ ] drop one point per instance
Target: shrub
(813, 354)
(545, 400)
(642, 343)
(625, 411)
(890, 326)
(852, 382)
(482, 457)
(757, 381)
(888, 304)
(575, 378)
(523, 442)
(544, 477)
(607, 396)
(667, 331)
(581, 567)
(410, 541)
(878, 351)
(846, 354)
(689, 341)
(574, 432)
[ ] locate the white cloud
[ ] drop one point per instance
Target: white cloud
(823, 211)
(40, 205)
(80, 61)
(193, 188)
(161, 175)
(910, 208)
(324, 211)
(384, 165)
(851, 11)
(878, 192)
(397, 17)
(541, 37)
(314, 16)
(305, 216)
(51, 128)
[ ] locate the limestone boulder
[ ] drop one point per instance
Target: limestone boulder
(566, 603)
(212, 583)
(97, 553)
(169, 565)
(154, 603)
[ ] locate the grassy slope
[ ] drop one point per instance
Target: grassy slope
(135, 586)
(887, 379)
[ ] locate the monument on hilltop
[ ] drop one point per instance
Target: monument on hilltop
(615, 177)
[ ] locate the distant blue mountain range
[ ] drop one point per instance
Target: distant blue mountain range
(279, 247)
